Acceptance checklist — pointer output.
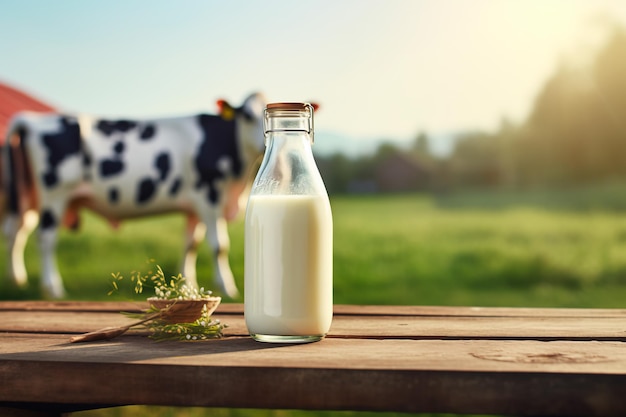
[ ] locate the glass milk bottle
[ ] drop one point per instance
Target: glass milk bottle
(288, 235)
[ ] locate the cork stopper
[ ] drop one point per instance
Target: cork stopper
(288, 106)
(289, 116)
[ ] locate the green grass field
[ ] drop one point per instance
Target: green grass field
(407, 249)
(549, 249)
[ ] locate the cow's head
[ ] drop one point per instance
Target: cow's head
(249, 120)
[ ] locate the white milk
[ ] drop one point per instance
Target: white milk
(288, 265)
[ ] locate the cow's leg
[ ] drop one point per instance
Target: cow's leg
(16, 230)
(51, 282)
(217, 237)
(194, 235)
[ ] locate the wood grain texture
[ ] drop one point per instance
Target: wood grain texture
(455, 326)
(381, 358)
(361, 310)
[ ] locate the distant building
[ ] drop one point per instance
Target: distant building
(362, 187)
(401, 172)
(12, 101)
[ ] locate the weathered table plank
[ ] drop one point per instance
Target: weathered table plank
(399, 375)
(384, 354)
(381, 358)
(354, 326)
(361, 310)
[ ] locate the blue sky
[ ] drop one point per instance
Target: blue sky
(383, 69)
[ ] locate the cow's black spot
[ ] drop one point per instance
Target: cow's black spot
(48, 220)
(110, 167)
(87, 161)
(213, 196)
(50, 179)
(114, 195)
(147, 132)
(147, 188)
(59, 146)
(219, 140)
(162, 163)
(119, 147)
(13, 200)
(108, 127)
(175, 187)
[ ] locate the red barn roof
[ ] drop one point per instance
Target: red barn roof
(12, 101)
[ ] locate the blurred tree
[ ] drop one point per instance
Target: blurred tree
(575, 133)
(337, 172)
(475, 160)
(609, 75)
(421, 145)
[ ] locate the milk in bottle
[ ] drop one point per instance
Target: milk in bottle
(288, 235)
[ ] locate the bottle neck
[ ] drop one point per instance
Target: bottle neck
(288, 141)
(288, 166)
(300, 120)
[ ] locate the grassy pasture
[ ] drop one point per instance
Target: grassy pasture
(404, 249)
(549, 249)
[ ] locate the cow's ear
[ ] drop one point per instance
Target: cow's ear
(227, 112)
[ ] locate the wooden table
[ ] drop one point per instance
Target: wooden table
(382, 358)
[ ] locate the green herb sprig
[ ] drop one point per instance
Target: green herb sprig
(202, 329)
(175, 288)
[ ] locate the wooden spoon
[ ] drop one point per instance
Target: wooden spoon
(107, 333)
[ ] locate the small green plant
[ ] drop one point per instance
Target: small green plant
(159, 320)
(175, 288)
(201, 329)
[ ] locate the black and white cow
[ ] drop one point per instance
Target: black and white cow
(56, 164)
